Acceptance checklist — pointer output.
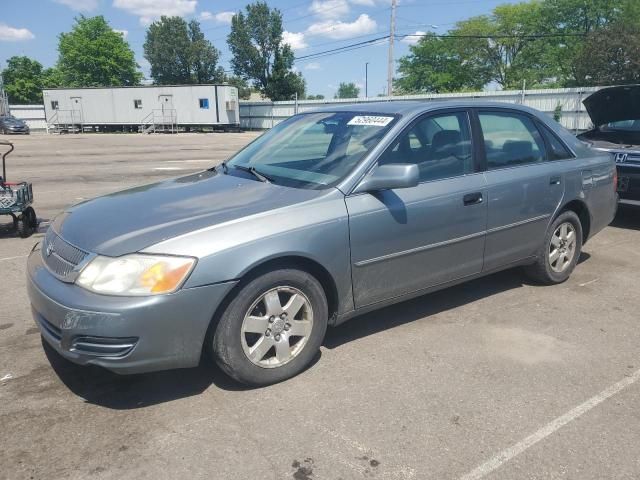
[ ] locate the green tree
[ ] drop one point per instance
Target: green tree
(577, 19)
(179, 53)
(93, 55)
(315, 97)
(610, 56)
(347, 90)
(203, 57)
(509, 54)
(435, 65)
(259, 54)
(23, 80)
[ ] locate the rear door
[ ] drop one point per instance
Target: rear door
(405, 240)
(524, 188)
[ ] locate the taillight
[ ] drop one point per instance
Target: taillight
(615, 178)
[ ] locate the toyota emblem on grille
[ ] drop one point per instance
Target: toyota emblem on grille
(621, 157)
(49, 250)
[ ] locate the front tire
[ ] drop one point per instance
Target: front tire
(560, 251)
(272, 328)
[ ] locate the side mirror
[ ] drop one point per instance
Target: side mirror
(387, 177)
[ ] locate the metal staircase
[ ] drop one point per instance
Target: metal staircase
(68, 121)
(159, 121)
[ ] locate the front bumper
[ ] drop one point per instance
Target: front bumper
(122, 334)
(629, 184)
(17, 131)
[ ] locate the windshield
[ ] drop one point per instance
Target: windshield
(314, 150)
(626, 125)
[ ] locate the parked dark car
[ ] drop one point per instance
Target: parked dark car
(615, 113)
(330, 214)
(10, 124)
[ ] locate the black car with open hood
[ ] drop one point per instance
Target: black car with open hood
(615, 113)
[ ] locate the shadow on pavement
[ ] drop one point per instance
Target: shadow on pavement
(124, 392)
(627, 217)
(425, 306)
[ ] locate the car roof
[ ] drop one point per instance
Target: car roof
(412, 107)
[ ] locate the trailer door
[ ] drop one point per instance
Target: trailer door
(166, 102)
(76, 110)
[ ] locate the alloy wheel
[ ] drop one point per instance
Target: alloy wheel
(276, 327)
(562, 247)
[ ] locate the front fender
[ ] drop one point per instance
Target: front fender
(317, 230)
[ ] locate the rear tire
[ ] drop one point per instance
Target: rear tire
(560, 251)
(271, 330)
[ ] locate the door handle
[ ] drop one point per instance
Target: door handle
(554, 181)
(472, 198)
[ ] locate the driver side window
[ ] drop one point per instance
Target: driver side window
(439, 144)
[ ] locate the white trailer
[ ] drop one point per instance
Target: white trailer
(144, 108)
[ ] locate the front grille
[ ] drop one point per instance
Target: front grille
(59, 256)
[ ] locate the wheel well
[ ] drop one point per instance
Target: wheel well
(582, 211)
(300, 263)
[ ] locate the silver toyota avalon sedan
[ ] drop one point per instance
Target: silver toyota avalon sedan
(329, 215)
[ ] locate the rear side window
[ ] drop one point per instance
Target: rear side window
(555, 148)
(510, 139)
(439, 144)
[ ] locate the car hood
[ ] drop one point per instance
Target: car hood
(134, 219)
(614, 104)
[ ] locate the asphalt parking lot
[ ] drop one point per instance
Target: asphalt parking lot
(498, 378)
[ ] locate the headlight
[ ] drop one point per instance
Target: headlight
(135, 274)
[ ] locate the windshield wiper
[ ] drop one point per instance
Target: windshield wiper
(252, 170)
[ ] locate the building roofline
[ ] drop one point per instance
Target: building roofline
(143, 86)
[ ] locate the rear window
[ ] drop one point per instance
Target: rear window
(510, 140)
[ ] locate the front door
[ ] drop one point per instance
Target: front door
(406, 240)
(525, 189)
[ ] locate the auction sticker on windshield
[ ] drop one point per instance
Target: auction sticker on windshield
(370, 120)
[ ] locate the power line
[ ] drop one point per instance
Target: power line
(343, 48)
(488, 37)
(353, 46)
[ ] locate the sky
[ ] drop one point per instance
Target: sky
(31, 27)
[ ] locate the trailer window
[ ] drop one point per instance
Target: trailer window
(54, 104)
(204, 103)
(137, 104)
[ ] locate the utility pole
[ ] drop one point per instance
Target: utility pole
(366, 80)
(392, 35)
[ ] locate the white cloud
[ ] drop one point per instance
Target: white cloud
(150, 10)
(341, 30)
(364, 3)
(221, 17)
(313, 66)
(124, 33)
(330, 8)
(79, 5)
(295, 39)
(415, 38)
(10, 34)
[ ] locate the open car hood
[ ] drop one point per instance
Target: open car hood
(614, 104)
